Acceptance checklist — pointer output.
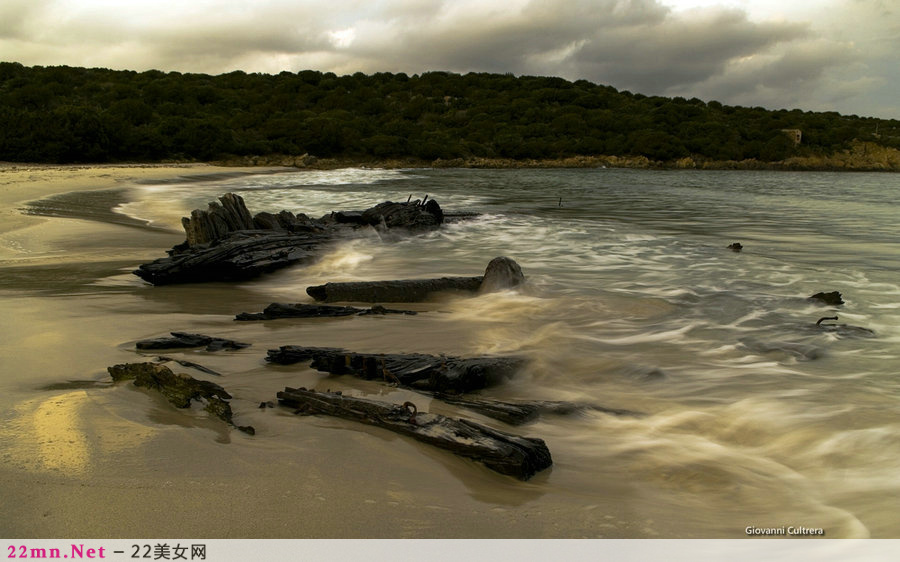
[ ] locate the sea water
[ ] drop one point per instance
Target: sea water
(750, 416)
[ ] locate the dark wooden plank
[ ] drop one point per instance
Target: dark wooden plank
(415, 370)
(182, 340)
(518, 412)
(500, 274)
(401, 290)
(520, 457)
(278, 310)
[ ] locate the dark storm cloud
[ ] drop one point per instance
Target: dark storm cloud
(487, 37)
(639, 45)
(656, 57)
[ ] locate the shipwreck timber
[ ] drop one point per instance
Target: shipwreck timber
(520, 457)
(226, 243)
(414, 370)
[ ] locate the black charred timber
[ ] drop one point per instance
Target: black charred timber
(418, 371)
(183, 340)
(843, 329)
(523, 411)
(278, 310)
(179, 389)
(225, 243)
(459, 216)
(406, 290)
(501, 273)
(412, 215)
(833, 298)
(512, 455)
(241, 256)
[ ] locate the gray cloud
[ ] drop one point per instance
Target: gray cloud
(843, 58)
(17, 17)
(678, 51)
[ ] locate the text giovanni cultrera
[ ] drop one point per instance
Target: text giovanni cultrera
(791, 530)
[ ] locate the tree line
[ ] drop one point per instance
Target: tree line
(65, 115)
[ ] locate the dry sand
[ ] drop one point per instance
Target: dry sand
(21, 183)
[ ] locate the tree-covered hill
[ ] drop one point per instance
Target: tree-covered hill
(63, 114)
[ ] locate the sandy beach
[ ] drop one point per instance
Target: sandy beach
(85, 458)
(723, 438)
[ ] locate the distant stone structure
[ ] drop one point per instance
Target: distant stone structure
(794, 134)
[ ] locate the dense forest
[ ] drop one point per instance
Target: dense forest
(66, 115)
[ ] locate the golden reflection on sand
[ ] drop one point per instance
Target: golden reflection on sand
(61, 441)
(67, 434)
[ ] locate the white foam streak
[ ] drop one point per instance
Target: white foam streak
(754, 402)
(668, 335)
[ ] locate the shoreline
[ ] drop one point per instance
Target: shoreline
(86, 457)
(862, 157)
(21, 184)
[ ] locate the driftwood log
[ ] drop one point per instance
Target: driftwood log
(519, 412)
(520, 457)
(226, 243)
(406, 290)
(183, 340)
(414, 370)
(179, 389)
(501, 273)
(278, 310)
(442, 378)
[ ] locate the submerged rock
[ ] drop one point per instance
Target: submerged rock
(179, 389)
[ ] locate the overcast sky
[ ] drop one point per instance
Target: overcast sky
(818, 55)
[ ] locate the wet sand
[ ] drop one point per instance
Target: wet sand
(82, 457)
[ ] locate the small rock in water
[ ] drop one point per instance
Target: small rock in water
(832, 298)
(735, 247)
(502, 273)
